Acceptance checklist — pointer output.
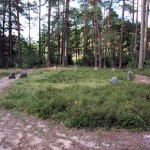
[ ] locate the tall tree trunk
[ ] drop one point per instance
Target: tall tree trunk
(146, 26)
(65, 35)
(102, 36)
(62, 37)
(136, 28)
(29, 53)
(95, 24)
(10, 37)
(122, 31)
(19, 41)
(85, 31)
(58, 33)
(3, 43)
(48, 38)
(99, 50)
(133, 30)
(106, 33)
(76, 42)
(143, 9)
(96, 36)
(40, 53)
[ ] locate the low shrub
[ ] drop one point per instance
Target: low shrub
(82, 98)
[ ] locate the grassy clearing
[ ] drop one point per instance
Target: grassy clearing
(5, 73)
(82, 98)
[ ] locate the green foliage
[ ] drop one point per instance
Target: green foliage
(133, 63)
(5, 73)
(82, 98)
(145, 71)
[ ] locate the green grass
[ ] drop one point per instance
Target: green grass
(5, 72)
(145, 71)
(82, 98)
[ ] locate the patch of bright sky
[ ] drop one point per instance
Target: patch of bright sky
(34, 29)
(35, 23)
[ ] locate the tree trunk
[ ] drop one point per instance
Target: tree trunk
(121, 40)
(58, 33)
(95, 32)
(29, 53)
(19, 41)
(85, 32)
(133, 30)
(65, 35)
(10, 37)
(48, 38)
(40, 55)
(143, 9)
(146, 26)
(136, 28)
(99, 52)
(3, 43)
(76, 42)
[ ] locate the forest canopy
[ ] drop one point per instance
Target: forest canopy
(96, 33)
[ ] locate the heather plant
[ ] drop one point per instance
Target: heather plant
(82, 98)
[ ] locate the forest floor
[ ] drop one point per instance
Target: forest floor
(19, 131)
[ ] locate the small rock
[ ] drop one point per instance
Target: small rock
(23, 75)
(113, 69)
(12, 75)
(95, 68)
(129, 75)
(114, 80)
(75, 67)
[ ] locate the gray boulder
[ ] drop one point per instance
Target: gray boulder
(12, 75)
(23, 75)
(129, 75)
(114, 80)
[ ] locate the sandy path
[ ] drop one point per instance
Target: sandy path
(23, 132)
(5, 82)
(142, 79)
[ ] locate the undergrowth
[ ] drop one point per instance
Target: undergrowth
(82, 98)
(145, 71)
(5, 72)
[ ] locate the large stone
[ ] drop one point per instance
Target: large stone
(12, 75)
(129, 75)
(114, 80)
(23, 75)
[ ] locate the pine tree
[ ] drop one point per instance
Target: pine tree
(142, 34)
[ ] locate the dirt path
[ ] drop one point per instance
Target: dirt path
(24, 132)
(142, 79)
(6, 82)
(19, 131)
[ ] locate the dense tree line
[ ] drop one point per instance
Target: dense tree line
(90, 35)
